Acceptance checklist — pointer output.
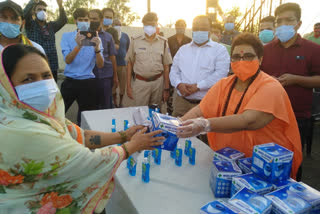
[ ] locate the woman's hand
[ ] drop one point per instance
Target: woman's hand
(141, 141)
(193, 127)
(132, 130)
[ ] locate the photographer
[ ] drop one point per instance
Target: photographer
(80, 60)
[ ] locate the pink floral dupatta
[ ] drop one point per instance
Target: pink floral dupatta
(44, 166)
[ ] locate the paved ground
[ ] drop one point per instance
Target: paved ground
(311, 165)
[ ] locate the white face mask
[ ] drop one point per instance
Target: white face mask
(150, 30)
(42, 15)
(38, 95)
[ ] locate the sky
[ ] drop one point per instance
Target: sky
(171, 10)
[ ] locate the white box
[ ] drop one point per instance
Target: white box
(227, 154)
(219, 206)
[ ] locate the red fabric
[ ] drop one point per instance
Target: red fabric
(266, 95)
(302, 58)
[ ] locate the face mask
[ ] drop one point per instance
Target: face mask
(9, 30)
(180, 30)
(107, 22)
(229, 26)
(94, 26)
(38, 95)
(266, 36)
(41, 15)
(83, 26)
(200, 37)
(245, 69)
(150, 30)
(285, 32)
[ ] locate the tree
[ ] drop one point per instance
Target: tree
(71, 5)
(235, 12)
(122, 11)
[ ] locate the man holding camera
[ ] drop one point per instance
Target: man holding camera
(80, 61)
(43, 32)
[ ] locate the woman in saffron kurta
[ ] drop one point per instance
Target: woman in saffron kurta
(46, 165)
(246, 109)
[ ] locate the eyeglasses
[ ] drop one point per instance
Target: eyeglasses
(287, 20)
(245, 57)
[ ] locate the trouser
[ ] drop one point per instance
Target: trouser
(147, 93)
(305, 129)
(82, 91)
(180, 105)
(170, 101)
(104, 93)
(122, 77)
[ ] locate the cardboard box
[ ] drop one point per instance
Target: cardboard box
(227, 154)
(245, 165)
(286, 201)
(221, 176)
(219, 206)
(169, 127)
(272, 162)
(251, 182)
(250, 202)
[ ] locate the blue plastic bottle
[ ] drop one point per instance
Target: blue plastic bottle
(128, 162)
(145, 170)
(173, 153)
(132, 167)
(157, 156)
(125, 125)
(187, 147)
(147, 154)
(114, 127)
(178, 156)
(192, 156)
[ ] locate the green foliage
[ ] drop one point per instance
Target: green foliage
(234, 11)
(71, 5)
(122, 11)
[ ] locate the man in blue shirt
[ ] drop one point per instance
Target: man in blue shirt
(121, 62)
(107, 75)
(80, 60)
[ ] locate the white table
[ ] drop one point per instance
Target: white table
(171, 189)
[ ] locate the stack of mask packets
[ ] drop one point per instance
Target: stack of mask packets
(221, 175)
(245, 165)
(219, 206)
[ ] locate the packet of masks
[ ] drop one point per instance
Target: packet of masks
(221, 176)
(291, 199)
(272, 162)
(168, 125)
(140, 117)
(245, 165)
(250, 202)
(227, 154)
(251, 182)
(284, 183)
(219, 206)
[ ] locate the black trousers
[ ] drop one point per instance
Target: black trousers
(82, 91)
(305, 129)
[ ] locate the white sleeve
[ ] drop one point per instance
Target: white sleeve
(175, 72)
(222, 64)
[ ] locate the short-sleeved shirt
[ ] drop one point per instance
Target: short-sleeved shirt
(174, 45)
(302, 58)
(83, 64)
(313, 39)
(149, 58)
(283, 129)
(108, 50)
(114, 34)
(123, 48)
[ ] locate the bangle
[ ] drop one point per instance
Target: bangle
(125, 149)
(123, 136)
(98, 51)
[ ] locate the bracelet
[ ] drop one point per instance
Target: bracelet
(123, 136)
(98, 51)
(125, 149)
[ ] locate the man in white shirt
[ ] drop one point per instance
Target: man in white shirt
(197, 66)
(11, 23)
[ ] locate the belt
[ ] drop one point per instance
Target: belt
(192, 101)
(150, 79)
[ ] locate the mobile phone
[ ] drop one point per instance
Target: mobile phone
(89, 35)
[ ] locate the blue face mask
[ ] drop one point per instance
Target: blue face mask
(229, 26)
(9, 30)
(285, 32)
(83, 26)
(266, 36)
(200, 37)
(38, 95)
(107, 22)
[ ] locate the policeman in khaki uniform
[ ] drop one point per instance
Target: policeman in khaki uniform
(148, 66)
